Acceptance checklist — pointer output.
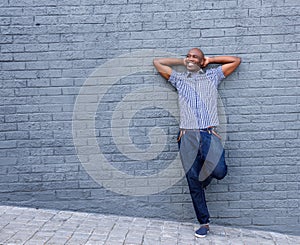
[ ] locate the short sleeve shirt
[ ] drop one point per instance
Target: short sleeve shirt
(198, 97)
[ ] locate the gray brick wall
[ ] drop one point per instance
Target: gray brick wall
(49, 49)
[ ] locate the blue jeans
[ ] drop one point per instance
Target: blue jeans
(203, 159)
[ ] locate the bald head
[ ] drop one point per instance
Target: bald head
(194, 59)
(198, 51)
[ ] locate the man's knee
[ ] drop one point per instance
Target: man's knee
(220, 172)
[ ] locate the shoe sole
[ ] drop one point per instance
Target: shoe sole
(201, 236)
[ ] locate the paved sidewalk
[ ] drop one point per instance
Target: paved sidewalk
(40, 226)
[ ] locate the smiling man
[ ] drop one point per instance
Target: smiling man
(200, 148)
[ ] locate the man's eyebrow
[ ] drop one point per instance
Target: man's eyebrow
(194, 55)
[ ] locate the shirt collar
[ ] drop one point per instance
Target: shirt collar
(191, 74)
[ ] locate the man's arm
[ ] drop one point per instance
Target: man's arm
(229, 63)
(163, 65)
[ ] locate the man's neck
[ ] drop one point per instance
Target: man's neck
(191, 73)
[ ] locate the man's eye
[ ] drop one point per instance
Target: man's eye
(192, 56)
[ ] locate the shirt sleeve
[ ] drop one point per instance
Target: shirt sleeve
(216, 75)
(175, 79)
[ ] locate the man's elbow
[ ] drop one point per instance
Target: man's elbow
(156, 63)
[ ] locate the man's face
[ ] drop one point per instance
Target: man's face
(194, 60)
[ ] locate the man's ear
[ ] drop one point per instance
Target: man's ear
(202, 63)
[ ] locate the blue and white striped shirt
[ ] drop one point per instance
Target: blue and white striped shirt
(198, 97)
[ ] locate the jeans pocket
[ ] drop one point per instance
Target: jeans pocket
(216, 134)
(180, 134)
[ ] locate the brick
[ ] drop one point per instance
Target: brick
(40, 117)
(38, 82)
(285, 11)
(16, 135)
(16, 118)
(24, 57)
(237, 13)
(37, 65)
(7, 144)
(212, 33)
(4, 3)
(11, 11)
(24, 20)
(5, 39)
(13, 66)
(6, 92)
(226, 23)
(41, 135)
